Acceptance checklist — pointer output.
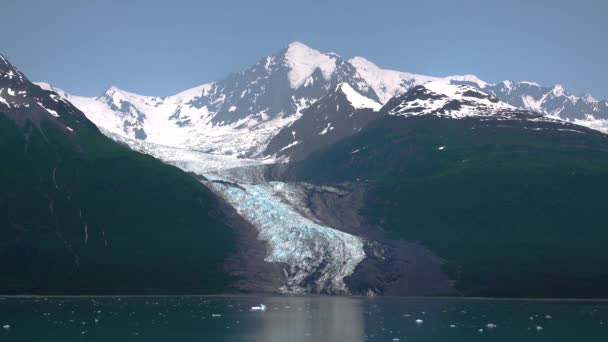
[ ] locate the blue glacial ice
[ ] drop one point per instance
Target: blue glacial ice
(317, 257)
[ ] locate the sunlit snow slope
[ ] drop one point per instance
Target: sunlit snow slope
(240, 114)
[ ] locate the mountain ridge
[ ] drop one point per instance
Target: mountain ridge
(241, 114)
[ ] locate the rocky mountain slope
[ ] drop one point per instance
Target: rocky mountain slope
(81, 214)
(512, 204)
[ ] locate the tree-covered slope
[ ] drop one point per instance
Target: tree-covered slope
(515, 207)
(81, 214)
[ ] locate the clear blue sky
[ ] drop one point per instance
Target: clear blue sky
(161, 47)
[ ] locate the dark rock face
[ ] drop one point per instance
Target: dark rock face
(391, 267)
(399, 268)
(325, 122)
(265, 88)
(25, 102)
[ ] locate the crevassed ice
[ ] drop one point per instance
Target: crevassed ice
(317, 257)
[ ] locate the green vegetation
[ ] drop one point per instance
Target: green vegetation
(82, 214)
(514, 208)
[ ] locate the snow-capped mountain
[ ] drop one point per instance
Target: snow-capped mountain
(246, 114)
(452, 101)
(25, 102)
(553, 101)
(234, 116)
(335, 116)
(389, 83)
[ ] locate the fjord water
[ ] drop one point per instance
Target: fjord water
(295, 318)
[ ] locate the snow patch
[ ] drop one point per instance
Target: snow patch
(52, 112)
(357, 100)
(2, 100)
(532, 104)
(453, 101)
(290, 145)
(328, 128)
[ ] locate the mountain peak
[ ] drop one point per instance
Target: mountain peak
(363, 63)
(298, 45)
(590, 99)
(558, 90)
(468, 78)
(49, 87)
(112, 90)
(303, 61)
(446, 99)
(7, 70)
(529, 83)
(117, 93)
(466, 93)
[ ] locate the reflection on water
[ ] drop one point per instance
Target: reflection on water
(299, 319)
(331, 319)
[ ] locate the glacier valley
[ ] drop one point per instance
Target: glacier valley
(314, 257)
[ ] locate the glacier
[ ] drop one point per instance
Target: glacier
(315, 257)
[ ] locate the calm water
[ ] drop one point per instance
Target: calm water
(298, 319)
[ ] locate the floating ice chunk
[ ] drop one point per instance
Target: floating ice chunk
(452, 325)
(548, 316)
(490, 325)
(539, 328)
(480, 330)
(6, 326)
(262, 307)
(396, 339)
(441, 148)
(419, 321)
(216, 315)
